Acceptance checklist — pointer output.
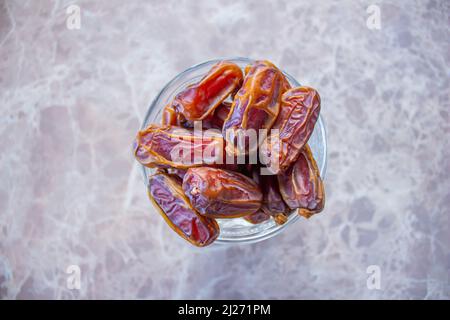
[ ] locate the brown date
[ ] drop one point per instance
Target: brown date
(299, 111)
(170, 146)
(256, 104)
(197, 101)
(301, 186)
(219, 193)
(167, 195)
(257, 217)
(273, 203)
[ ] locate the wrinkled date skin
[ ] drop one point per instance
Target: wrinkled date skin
(257, 217)
(170, 146)
(301, 185)
(299, 111)
(221, 193)
(256, 104)
(215, 120)
(168, 197)
(197, 101)
(273, 203)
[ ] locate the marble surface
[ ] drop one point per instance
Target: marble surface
(71, 193)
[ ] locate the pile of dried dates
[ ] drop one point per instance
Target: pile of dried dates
(233, 145)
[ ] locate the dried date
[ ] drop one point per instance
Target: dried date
(219, 193)
(197, 101)
(255, 106)
(301, 186)
(299, 111)
(168, 197)
(170, 146)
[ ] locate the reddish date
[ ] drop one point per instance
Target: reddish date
(219, 193)
(299, 111)
(169, 146)
(255, 106)
(198, 101)
(167, 195)
(301, 186)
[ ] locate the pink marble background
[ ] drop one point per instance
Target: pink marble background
(71, 193)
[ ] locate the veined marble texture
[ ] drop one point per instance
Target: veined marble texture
(71, 101)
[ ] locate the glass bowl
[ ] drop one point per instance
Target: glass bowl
(237, 230)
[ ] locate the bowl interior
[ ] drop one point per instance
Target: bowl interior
(234, 230)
